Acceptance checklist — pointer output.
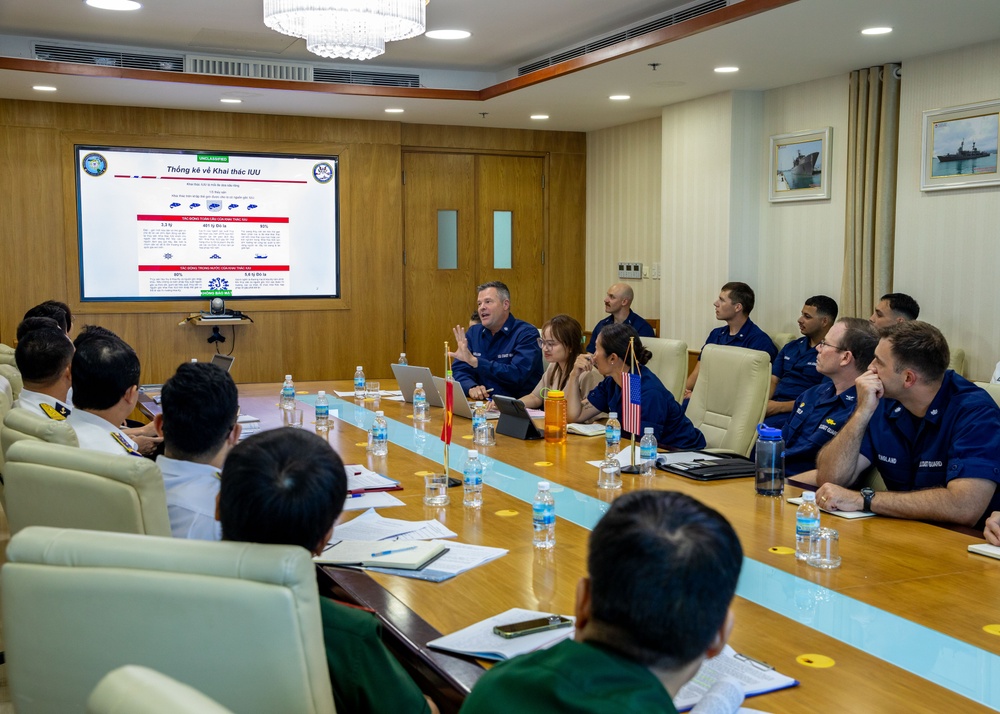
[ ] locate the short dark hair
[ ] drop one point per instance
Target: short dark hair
(65, 308)
(860, 339)
(614, 341)
(50, 308)
(200, 405)
(283, 486)
(475, 317)
(43, 354)
(824, 305)
(90, 331)
(35, 323)
(503, 292)
(918, 346)
(903, 305)
(740, 293)
(663, 570)
(104, 368)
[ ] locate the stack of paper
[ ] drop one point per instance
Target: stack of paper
(458, 558)
(755, 677)
(371, 526)
(370, 499)
(384, 555)
(479, 640)
(360, 478)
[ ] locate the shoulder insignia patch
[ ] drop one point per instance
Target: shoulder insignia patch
(58, 412)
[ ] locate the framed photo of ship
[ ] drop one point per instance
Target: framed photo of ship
(960, 147)
(800, 166)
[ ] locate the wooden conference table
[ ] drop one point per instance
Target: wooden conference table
(905, 585)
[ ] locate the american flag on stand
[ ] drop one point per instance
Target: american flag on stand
(631, 403)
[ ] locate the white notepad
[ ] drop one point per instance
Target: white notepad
(408, 555)
(479, 640)
(839, 514)
(990, 551)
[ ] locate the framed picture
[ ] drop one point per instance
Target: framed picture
(959, 147)
(800, 166)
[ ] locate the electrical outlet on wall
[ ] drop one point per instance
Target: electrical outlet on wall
(630, 271)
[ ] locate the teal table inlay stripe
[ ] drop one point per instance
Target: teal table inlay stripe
(950, 663)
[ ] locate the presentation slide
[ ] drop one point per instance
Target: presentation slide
(161, 224)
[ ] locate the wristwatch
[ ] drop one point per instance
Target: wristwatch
(867, 492)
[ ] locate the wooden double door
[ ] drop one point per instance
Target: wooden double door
(468, 219)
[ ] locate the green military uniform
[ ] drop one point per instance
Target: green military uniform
(572, 676)
(364, 675)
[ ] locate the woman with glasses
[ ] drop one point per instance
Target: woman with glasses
(658, 408)
(561, 343)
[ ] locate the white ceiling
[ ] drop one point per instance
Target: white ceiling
(806, 40)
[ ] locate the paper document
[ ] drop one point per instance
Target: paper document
(406, 556)
(990, 551)
(586, 429)
(371, 526)
(683, 457)
(623, 457)
(755, 677)
(249, 425)
(457, 559)
(839, 514)
(360, 478)
(479, 640)
(371, 499)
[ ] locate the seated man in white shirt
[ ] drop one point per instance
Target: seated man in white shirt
(105, 373)
(43, 357)
(198, 424)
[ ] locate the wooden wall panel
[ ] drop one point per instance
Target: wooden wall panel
(566, 257)
(308, 339)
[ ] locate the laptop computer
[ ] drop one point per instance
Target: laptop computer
(460, 403)
(407, 377)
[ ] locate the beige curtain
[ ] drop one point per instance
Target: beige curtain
(872, 144)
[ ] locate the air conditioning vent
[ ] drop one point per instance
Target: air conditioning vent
(374, 79)
(636, 31)
(255, 69)
(109, 57)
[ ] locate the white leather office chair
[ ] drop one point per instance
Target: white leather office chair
(992, 389)
(958, 361)
(132, 689)
(20, 425)
(13, 377)
(7, 355)
(68, 487)
(669, 362)
(730, 396)
(239, 622)
(782, 338)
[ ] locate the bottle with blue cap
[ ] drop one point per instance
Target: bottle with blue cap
(770, 477)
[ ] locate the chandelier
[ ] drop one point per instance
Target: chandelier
(353, 29)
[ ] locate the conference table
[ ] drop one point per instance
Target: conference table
(909, 622)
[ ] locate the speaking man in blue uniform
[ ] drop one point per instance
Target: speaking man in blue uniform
(618, 305)
(821, 411)
(933, 435)
(733, 307)
(499, 356)
(794, 369)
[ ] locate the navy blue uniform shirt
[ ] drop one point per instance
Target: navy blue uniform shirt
(818, 416)
(510, 362)
(749, 336)
(658, 408)
(795, 368)
(958, 437)
(642, 327)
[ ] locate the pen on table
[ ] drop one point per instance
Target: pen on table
(390, 552)
(355, 494)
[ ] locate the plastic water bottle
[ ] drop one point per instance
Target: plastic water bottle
(612, 435)
(806, 525)
(402, 359)
(420, 404)
(322, 412)
(359, 383)
(288, 393)
(647, 452)
(479, 424)
(380, 435)
(473, 481)
(770, 479)
(543, 517)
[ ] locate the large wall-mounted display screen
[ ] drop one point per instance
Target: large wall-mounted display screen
(164, 224)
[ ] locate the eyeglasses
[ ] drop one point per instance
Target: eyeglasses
(822, 344)
(551, 344)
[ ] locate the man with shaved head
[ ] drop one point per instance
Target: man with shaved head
(618, 305)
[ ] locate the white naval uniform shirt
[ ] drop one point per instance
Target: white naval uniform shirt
(97, 434)
(191, 492)
(33, 401)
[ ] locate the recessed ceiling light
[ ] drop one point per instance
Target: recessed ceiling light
(447, 34)
(393, 110)
(114, 4)
(724, 70)
(876, 31)
(43, 88)
(227, 100)
(539, 116)
(619, 97)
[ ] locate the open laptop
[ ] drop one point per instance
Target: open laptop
(460, 403)
(407, 377)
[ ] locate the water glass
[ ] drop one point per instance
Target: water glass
(436, 490)
(825, 551)
(371, 390)
(292, 418)
(610, 474)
